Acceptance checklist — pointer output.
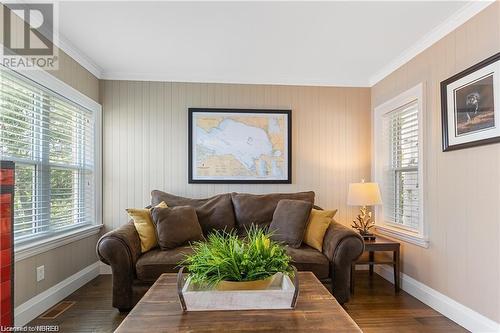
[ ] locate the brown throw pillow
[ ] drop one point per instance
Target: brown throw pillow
(259, 208)
(214, 213)
(176, 226)
(290, 222)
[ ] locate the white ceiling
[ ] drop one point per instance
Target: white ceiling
(315, 43)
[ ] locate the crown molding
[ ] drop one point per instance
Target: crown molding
(85, 61)
(161, 77)
(454, 21)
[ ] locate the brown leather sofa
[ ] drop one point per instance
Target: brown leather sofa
(134, 272)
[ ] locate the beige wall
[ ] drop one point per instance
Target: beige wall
(145, 140)
(66, 260)
(59, 263)
(72, 73)
(462, 193)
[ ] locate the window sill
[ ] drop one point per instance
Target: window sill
(31, 249)
(404, 235)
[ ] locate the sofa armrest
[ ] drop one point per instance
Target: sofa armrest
(342, 246)
(120, 248)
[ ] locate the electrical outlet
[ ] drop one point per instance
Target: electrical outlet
(40, 273)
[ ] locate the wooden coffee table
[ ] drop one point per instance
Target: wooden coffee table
(316, 311)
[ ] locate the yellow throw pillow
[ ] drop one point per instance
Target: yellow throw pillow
(143, 223)
(319, 220)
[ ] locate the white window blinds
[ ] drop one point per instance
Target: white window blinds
(51, 140)
(401, 181)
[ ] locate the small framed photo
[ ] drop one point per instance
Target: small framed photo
(470, 106)
(239, 146)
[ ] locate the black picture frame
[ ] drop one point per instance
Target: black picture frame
(287, 112)
(446, 145)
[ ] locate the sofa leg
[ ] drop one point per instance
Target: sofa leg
(124, 310)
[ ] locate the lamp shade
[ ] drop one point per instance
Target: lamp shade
(364, 194)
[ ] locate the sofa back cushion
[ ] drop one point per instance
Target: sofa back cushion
(290, 221)
(214, 213)
(176, 226)
(259, 208)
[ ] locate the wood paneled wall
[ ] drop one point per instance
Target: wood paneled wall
(462, 192)
(145, 140)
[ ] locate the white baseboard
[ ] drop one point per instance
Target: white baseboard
(32, 308)
(462, 315)
(104, 269)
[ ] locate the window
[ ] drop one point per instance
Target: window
(400, 193)
(398, 166)
(52, 141)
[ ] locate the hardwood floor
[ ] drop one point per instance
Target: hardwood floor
(374, 306)
(92, 312)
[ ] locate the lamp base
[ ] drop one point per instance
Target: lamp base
(368, 236)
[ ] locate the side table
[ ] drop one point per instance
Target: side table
(380, 244)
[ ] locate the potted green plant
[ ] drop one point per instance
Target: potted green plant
(227, 262)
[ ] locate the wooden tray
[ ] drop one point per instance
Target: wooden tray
(281, 294)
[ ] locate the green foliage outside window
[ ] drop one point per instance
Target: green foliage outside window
(47, 138)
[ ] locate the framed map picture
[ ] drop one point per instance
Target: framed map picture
(242, 146)
(470, 106)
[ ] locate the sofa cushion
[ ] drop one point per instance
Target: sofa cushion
(305, 258)
(259, 209)
(214, 213)
(319, 220)
(154, 263)
(145, 227)
(290, 221)
(176, 226)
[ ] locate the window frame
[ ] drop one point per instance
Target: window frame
(25, 249)
(379, 156)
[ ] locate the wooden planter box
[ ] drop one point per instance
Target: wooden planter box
(281, 294)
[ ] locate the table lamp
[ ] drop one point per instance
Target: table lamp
(364, 194)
